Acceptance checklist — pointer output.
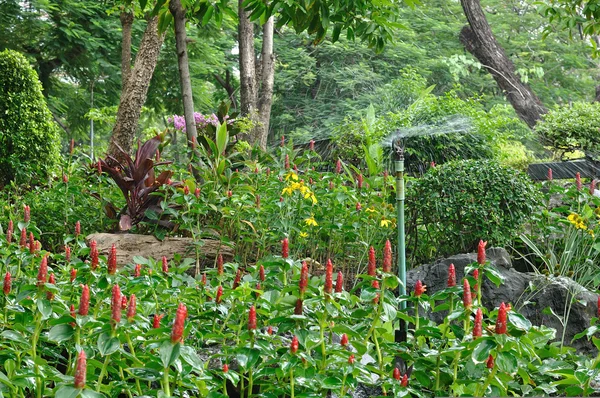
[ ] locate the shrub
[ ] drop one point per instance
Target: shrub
(460, 202)
(570, 128)
(29, 141)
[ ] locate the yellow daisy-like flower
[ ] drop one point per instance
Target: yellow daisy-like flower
(303, 235)
(291, 175)
(385, 223)
(370, 209)
(311, 221)
(591, 232)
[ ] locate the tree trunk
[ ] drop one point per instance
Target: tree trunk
(134, 95)
(248, 87)
(266, 89)
(226, 84)
(479, 40)
(185, 80)
(126, 26)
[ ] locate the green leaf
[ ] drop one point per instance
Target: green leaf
(482, 350)
(87, 393)
(67, 392)
(389, 312)
(222, 137)
(169, 353)
(519, 321)
(189, 355)
(247, 357)
(494, 276)
(506, 362)
(45, 308)
(60, 333)
(107, 344)
(14, 336)
(332, 383)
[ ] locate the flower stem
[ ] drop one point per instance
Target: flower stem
(102, 373)
(292, 381)
(166, 387)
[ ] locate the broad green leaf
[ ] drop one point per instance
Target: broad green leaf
(60, 333)
(506, 362)
(482, 350)
(169, 353)
(107, 344)
(67, 392)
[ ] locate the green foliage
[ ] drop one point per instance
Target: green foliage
(29, 142)
(571, 127)
(457, 204)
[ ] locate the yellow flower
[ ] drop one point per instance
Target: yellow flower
(291, 175)
(303, 235)
(385, 222)
(591, 232)
(370, 209)
(311, 221)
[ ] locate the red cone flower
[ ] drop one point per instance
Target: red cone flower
(283, 140)
(252, 318)
(270, 330)
(238, 279)
(116, 305)
(23, 241)
(73, 314)
(387, 256)
(404, 382)
(42, 275)
(397, 375)
(501, 320)
(26, 213)
(77, 229)
(338, 166)
(165, 265)
(476, 276)
(219, 294)
(7, 284)
(197, 193)
(84, 301)
(303, 284)
(31, 243)
(328, 277)
(294, 345)
(67, 254)
(156, 321)
(358, 206)
(467, 301)
(549, 174)
(178, 325)
(93, 255)
(220, 264)
(451, 276)
(112, 260)
(285, 248)
(186, 190)
(311, 145)
(339, 282)
(419, 288)
(372, 268)
(490, 362)
(225, 368)
(375, 285)
(137, 271)
(203, 281)
(344, 340)
(261, 273)
(287, 161)
(359, 181)
(351, 359)
(257, 287)
(99, 167)
(578, 181)
(131, 308)
(80, 370)
(298, 307)
(9, 231)
(481, 252)
(52, 281)
(478, 327)
(123, 302)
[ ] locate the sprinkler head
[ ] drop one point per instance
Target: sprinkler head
(399, 149)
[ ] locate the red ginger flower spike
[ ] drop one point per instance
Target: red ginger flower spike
(84, 301)
(7, 284)
(131, 308)
(51, 280)
(287, 161)
(375, 285)
(219, 294)
(220, 264)
(404, 382)
(303, 284)
(261, 273)
(165, 265)
(186, 190)
(338, 166)
(578, 181)
(225, 368)
(93, 255)
(203, 281)
(112, 260)
(252, 318)
(329, 277)
(476, 276)
(339, 283)
(358, 206)
(73, 314)
(137, 272)
(178, 325)
(197, 193)
(298, 308)
(23, 241)
(351, 359)
(549, 174)
(420, 288)
(270, 330)
(481, 252)
(26, 213)
(9, 231)
(490, 362)
(42, 275)
(116, 305)
(451, 276)
(123, 302)
(311, 145)
(67, 254)
(387, 256)
(77, 229)
(359, 181)
(372, 268)
(238, 279)
(478, 326)
(31, 243)
(283, 140)
(80, 371)
(467, 300)
(285, 248)
(344, 340)
(397, 375)
(501, 320)
(294, 345)
(258, 287)
(156, 321)
(65, 178)
(99, 167)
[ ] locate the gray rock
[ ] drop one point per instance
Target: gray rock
(528, 293)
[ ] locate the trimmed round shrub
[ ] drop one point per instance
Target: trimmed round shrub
(570, 128)
(456, 204)
(29, 139)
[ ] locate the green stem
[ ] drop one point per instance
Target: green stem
(292, 380)
(166, 386)
(36, 335)
(343, 389)
(137, 381)
(102, 373)
(124, 382)
(323, 350)
(488, 380)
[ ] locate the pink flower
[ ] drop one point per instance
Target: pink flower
(156, 321)
(23, 241)
(351, 359)
(67, 254)
(338, 166)
(80, 370)
(219, 294)
(137, 271)
(501, 320)
(77, 229)
(26, 213)
(387, 256)
(197, 193)
(238, 279)
(404, 382)
(178, 325)
(451, 276)
(93, 255)
(372, 267)
(203, 280)
(9, 231)
(358, 206)
(32, 245)
(359, 181)
(287, 161)
(549, 174)
(476, 276)
(339, 282)
(84, 301)
(593, 186)
(303, 284)
(311, 145)
(328, 277)
(481, 252)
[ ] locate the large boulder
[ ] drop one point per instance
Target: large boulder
(528, 293)
(130, 245)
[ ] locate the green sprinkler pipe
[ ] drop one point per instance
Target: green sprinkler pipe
(399, 165)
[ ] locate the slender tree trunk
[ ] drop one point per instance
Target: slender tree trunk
(134, 95)
(126, 26)
(479, 40)
(185, 80)
(248, 87)
(226, 84)
(266, 88)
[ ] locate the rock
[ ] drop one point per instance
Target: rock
(130, 245)
(528, 293)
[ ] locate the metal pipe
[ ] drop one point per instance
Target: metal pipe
(400, 196)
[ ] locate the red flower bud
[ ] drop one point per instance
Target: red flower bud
(131, 308)
(219, 294)
(331, 186)
(549, 174)
(67, 254)
(112, 260)
(578, 181)
(285, 248)
(225, 368)
(372, 268)
(186, 190)
(593, 186)
(303, 283)
(9, 231)
(261, 273)
(26, 213)
(73, 314)
(123, 302)
(295, 168)
(220, 264)
(467, 301)
(338, 166)
(451, 276)
(80, 370)
(344, 340)
(156, 321)
(359, 181)
(229, 193)
(137, 271)
(93, 255)
(32, 244)
(238, 279)
(298, 308)
(283, 140)
(165, 265)
(397, 374)
(84, 301)
(99, 167)
(51, 280)
(294, 345)
(116, 305)
(257, 287)
(287, 161)
(478, 327)
(375, 285)
(339, 283)
(387, 256)
(7, 283)
(311, 145)
(358, 206)
(178, 325)
(329, 277)
(490, 362)
(252, 318)
(65, 178)
(432, 164)
(23, 241)
(481, 252)
(197, 193)
(351, 359)
(42, 275)
(404, 382)
(77, 229)
(203, 280)
(501, 320)
(420, 288)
